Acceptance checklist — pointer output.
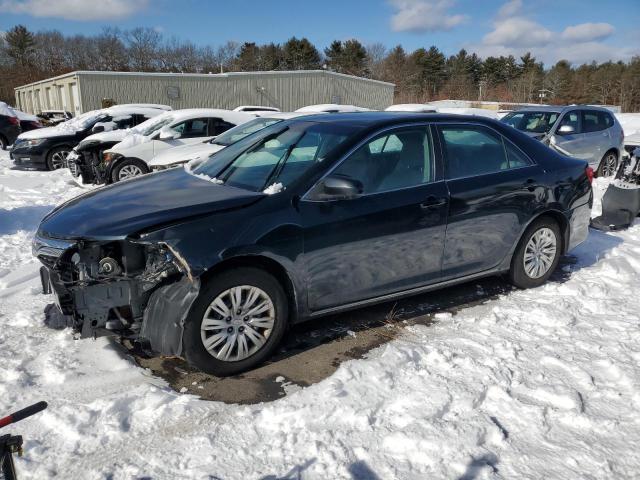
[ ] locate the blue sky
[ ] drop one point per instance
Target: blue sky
(579, 30)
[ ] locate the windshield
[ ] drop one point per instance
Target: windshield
(279, 157)
(154, 124)
(83, 121)
(532, 122)
(241, 131)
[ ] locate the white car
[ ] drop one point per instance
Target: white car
(181, 155)
(130, 157)
(331, 108)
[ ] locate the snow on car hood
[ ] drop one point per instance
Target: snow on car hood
(129, 141)
(46, 132)
(185, 153)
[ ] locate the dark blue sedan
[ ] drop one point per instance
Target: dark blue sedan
(310, 216)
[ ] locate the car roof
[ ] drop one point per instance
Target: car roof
(226, 115)
(561, 108)
(379, 119)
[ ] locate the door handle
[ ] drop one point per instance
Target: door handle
(433, 202)
(530, 184)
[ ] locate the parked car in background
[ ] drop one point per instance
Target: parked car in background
(51, 118)
(589, 133)
(28, 122)
(49, 147)
(130, 157)
(85, 160)
(412, 107)
(307, 217)
(200, 151)
(255, 108)
(331, 108)
(9, 126)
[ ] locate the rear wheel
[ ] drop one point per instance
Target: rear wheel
(57, 158)
(129, 168)
(537, 254)
(608, 164)
(236, 322)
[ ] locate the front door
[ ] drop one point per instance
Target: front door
(492, 186)
(572, 144)
(390, 237)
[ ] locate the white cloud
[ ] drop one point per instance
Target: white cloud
(515, 34)
(586, 32)
(424, 16)
(510, 8)
(82, 10)
(519, 32)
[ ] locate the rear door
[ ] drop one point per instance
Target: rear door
(597, 137)
(492, 189)
(388, 239)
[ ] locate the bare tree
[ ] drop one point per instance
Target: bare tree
(143, 44)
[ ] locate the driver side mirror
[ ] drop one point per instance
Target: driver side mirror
(339, 188)
(566, 130)
(168, 133)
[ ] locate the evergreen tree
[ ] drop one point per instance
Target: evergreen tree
(20, 45)
(300, 55)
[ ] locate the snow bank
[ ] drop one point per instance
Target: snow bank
(630, 122)
(543, 383)
(481, 112)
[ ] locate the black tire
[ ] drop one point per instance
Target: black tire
(128, 163)
(194, 350)
(3, 143)
(53, 163)
(608, 166)
(517, 274)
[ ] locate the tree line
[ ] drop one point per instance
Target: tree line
(422, 75)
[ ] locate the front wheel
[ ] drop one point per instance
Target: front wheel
(236, 322)
(129, 168)
(57, 158)
(537, 254)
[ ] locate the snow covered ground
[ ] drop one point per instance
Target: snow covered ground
(534, 384)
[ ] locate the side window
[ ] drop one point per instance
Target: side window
(515, 156)
(471, 151)
(572, 119)
(124, 121)
(593, 121)
(217, 126)
(192, 128)
(391, 161)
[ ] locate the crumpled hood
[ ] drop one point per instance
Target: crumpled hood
(139, 204)
(103, 137)
(198, 151)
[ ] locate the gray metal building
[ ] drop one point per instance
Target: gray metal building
(82, 91)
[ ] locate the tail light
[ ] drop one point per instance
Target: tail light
(14, 121)
(589, 172)
(35, 124)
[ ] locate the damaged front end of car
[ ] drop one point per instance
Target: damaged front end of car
(133, 288)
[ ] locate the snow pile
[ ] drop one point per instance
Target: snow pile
(481, 112)
(331, 108)
(543, 383)
(411, 107)
(630, 123)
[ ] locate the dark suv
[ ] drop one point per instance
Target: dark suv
(9, 128)
(307, 217)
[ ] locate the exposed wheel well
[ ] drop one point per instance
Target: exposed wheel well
(562, 222)
(264, 263)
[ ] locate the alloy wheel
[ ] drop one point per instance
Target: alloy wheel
(59, 159)
(540, 253)
(129, 171)
(237, 323)
(609, 165)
